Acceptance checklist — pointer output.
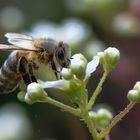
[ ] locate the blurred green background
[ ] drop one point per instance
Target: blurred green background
(88, 26)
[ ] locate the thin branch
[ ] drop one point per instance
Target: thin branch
(116, 120)
(62, 106)
(97, 91)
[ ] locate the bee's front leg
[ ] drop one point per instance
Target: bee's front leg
(33, 79)
(54, 69)
(25, 69)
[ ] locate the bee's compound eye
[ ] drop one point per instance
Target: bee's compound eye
(60, 53)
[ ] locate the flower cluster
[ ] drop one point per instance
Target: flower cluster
(73, 83)
(74, 78)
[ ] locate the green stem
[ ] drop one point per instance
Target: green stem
(84, 112)
(62, 106)
(116, 120)
(89, 123)
(97, 90)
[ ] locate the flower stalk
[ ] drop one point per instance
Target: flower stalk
(116, 119)
(89, 123)
(97, 90)
(65, 107)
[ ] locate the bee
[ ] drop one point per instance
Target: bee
(28, 57)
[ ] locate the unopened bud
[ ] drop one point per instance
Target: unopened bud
(21, 96)
(78, 65)
(103, 118)
(67, 74)
(137, 86)
(35, 92)
(111, 57)
(133, 96)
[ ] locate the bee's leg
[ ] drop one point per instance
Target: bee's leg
(60, 74)
(22, 68)
(33, 79)
(54, 69)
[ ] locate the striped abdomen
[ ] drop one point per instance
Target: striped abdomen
(9, 77)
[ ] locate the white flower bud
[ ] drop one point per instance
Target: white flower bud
(21, 96)
(133, 96)
(137, 86)
(78, 65)
(103, 118)
(35, 92)
(67, 73)
(111, 57)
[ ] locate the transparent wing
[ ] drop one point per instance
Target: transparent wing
(17, 36)
(4, 47)
(20, 40)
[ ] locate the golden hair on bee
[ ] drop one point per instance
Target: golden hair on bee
(29, 56)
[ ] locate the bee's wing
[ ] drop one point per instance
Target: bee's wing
(17, 36)
(20, 40)
(4, 47)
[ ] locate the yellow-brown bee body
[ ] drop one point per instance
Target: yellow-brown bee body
(28, 63)
(9, 76)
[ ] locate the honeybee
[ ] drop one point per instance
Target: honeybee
(29, 56)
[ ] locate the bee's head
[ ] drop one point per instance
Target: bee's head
(62, 54)
(50, 49)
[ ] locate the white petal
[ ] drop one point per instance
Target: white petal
(91, 66)
(59, 84)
